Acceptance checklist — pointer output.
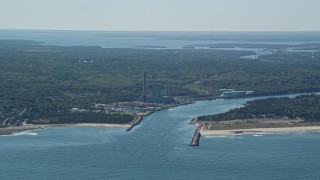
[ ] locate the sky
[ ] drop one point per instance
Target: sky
(161, 15)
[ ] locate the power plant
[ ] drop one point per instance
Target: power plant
(158, 95)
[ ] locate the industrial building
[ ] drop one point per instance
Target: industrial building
(232, 93)
(158, 95)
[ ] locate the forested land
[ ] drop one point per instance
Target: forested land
(41, 82)
(305, 107)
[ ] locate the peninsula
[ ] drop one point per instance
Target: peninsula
(266, 115)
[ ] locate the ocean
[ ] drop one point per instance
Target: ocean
(159, 149)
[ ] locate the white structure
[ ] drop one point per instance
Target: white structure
(232, 93)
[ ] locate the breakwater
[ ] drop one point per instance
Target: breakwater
(196, 137)
(135, 123)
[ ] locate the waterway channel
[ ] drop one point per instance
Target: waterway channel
(159, 149)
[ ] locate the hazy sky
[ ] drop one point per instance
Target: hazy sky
(169, 15)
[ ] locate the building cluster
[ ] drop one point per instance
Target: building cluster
(158, 95)
(122, 107)
(11, 117)
(126, 107)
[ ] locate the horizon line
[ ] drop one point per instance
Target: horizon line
(97, 30)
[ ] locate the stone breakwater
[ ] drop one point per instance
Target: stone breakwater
(196, 137)
(135, 123)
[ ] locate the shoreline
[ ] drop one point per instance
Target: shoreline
(260, 130)
(93, 125)
(28, 127)
(266, 125)
(16, 129)
(257, 127)
(209, 98)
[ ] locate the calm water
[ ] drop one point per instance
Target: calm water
(158, 149)
(172, 40)
(166, 40)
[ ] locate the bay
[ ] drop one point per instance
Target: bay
(157, 40)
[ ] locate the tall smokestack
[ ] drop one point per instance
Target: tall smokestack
(144, 91)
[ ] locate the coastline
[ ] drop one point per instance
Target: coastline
(16, 129)
(27, 127)
(95, 125)
(266, 125)
(254, 126)
(260, 130)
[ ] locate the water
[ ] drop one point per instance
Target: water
(158, 149)
(158, 40)
(301, 50)
(257, 52)
(167, 40)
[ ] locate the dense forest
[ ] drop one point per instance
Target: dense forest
(41, 81)
(306, 107)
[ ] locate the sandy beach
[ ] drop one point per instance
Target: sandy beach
(16, 129)
(260, 130)
(257, 126)
(28, 127)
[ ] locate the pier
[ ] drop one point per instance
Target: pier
(196, 137)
